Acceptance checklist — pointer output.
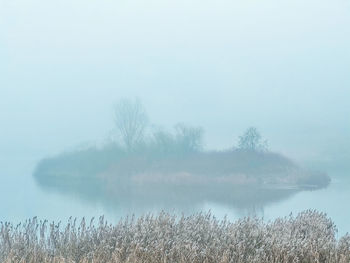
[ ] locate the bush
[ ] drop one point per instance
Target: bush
(186, 139)
(251, 140)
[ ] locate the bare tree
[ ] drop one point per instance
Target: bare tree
(252, 140)
(131, 121)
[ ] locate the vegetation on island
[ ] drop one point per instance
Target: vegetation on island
(146, 163)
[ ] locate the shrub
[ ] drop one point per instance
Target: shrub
(186, 139)
(252, 140)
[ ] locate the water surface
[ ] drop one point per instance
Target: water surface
(22, 198)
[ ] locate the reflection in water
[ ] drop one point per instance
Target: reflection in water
(149, 178)
(24, 199)
(182, 197)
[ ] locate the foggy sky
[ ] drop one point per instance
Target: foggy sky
(282, 66)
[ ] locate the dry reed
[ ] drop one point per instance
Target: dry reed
(308, 237)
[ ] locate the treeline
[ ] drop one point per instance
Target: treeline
(134, 134)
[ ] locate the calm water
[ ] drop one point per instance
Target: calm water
(22, 199)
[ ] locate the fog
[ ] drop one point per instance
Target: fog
(281, 66)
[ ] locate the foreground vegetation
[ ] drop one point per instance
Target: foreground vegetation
(308, 237)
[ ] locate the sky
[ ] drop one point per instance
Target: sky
(280, 65)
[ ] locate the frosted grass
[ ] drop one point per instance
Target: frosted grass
(309, 236)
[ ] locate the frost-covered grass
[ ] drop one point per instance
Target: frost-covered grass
(308, 237)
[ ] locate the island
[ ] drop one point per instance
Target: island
(172, 168)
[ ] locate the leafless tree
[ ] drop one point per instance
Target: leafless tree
(131, 121)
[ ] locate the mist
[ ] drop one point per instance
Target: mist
(223, 66)
(281, 66)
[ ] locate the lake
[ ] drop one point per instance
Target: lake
(22, 198)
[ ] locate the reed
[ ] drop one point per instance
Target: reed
(309, 236)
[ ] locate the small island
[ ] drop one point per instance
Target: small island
(172, 167)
